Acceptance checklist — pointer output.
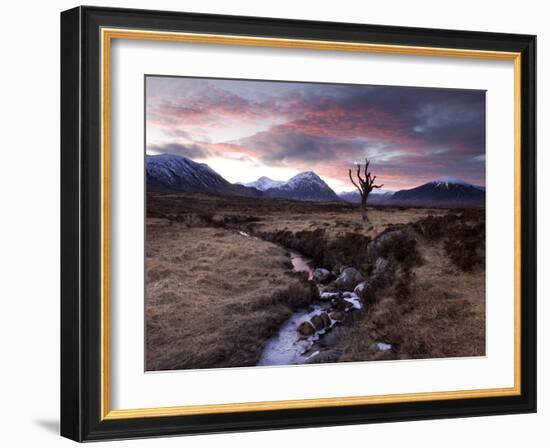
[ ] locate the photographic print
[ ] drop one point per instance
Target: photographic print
(249, 201)
(296, 223)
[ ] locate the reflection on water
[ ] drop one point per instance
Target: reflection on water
(288, 346)
(301, 264)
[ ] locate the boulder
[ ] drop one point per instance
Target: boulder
(326, 320)
(360, 288)
(337, 316)
(348, 279)
(306, 329)
(341, 304)
(364, 291)
(337, 270)
(318, 322)
(375, 246)
(321, 275)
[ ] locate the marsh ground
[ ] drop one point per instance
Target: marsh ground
(214, 296)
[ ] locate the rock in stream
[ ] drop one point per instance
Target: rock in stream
(294, 342)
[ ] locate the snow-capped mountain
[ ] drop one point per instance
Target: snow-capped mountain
(265, 183)
(168, 172)
(449, 181)
(444, 192)
(306, 186)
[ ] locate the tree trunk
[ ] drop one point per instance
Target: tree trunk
(364, 210)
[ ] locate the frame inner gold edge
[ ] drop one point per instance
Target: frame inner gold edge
(107, 34)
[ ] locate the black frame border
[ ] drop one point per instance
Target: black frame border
(81, 223)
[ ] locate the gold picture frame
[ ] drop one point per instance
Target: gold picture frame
(106, 31)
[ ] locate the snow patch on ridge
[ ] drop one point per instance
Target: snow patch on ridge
(446, 180)
(265, 183)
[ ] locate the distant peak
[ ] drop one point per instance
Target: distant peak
(450, 180)
(306, 174)
(171, 159)
(264, 183)
(164, 155)
(305, 177)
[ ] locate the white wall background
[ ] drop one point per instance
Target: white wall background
(29, 225)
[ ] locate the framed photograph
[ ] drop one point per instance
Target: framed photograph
(276, 224)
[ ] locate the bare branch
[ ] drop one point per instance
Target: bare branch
(364, 186)
(361, 181)
(352, 181)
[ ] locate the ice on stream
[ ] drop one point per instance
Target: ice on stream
(288, 346)
(382, 346)
(350, 297)
(301, 264)
(354, 299)
(330, 295)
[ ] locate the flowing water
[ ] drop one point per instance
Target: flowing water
(301, 264)
(288, 346)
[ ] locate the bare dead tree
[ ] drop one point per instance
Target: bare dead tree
(366, 185)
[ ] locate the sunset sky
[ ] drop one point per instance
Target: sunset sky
(248, 129)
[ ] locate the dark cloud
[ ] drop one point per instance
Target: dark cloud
(192, 151)
(409, 132)
(449, 117)
(282, 145)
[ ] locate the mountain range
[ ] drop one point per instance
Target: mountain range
(444, 192)
(306, 186)
(376, 197)
(265, 183)
(168, 172)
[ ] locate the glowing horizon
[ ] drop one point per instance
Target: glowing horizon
(248, 129)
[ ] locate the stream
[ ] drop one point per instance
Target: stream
(289, 346)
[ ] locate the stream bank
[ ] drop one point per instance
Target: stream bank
(299, 339)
